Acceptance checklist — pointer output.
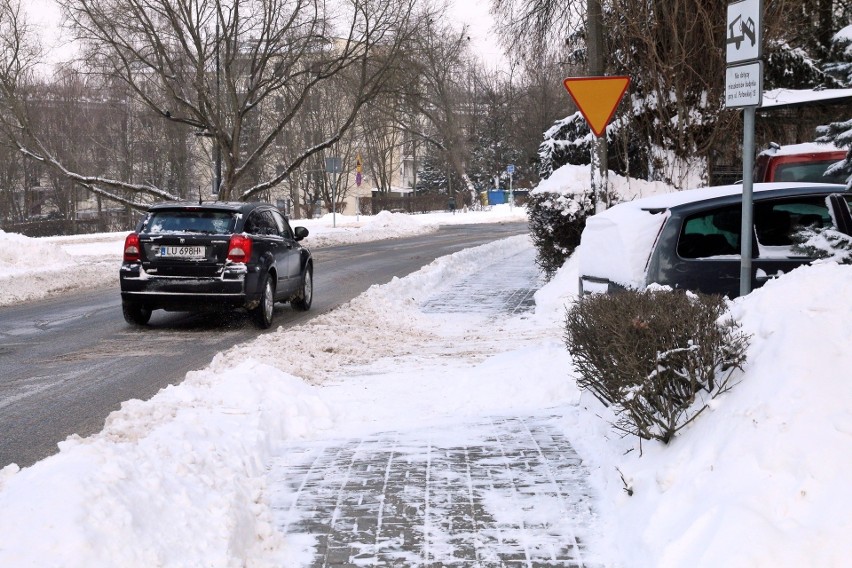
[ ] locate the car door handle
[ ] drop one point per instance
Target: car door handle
(762, 276)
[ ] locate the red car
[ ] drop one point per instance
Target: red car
(799, 162)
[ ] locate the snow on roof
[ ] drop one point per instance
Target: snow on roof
(777, 98)
(845, 34)
(806, 148)
(669, 200)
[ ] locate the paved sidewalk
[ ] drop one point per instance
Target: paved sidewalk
(415, 499)
(506, 491)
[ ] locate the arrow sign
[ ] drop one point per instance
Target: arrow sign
(597, 98)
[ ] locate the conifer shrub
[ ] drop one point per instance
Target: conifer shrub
(656, 357)
(824, 243)
(556, 222)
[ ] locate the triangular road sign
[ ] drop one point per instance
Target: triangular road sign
(597, 98)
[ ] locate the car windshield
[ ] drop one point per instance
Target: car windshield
(205, 222)
(808, 171)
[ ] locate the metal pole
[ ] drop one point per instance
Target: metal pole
(595, 43)
(747, 231)
(333, 199)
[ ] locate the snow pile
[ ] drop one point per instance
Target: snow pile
(174, 481)
(761, 480)
(328, 231)
(617, 244)
(21, 254)
(575, 179)
(35, 268)
(373, 325)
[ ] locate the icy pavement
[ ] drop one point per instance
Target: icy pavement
(494, 491)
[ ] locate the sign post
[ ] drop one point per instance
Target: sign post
(597, 98)
(744, 89)
(510, 169)
(333, 166)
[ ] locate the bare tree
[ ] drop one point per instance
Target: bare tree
(20, 52)
(436, 89)
(213, 66)
(533, 28)
(382, 135)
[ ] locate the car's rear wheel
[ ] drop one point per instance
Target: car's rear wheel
(303, 299)
(263, 312)
(135, 314)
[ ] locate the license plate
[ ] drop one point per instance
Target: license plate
(183, 252)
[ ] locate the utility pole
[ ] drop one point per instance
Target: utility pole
(595, 48)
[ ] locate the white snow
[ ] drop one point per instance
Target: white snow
(576, 179)
(804, 148)
(181, 480)
(784, 97)
(617, 244)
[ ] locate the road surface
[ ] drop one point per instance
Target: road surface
(67, 362)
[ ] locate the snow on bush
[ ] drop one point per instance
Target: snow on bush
(656, 356)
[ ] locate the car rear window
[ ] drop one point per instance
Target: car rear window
(205, 222)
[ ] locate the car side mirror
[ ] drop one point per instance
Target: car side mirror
(300, 233)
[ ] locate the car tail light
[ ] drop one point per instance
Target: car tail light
(239, 249)
(131, 248)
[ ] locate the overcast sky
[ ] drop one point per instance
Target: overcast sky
(473, 13)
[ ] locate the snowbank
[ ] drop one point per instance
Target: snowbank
(761, 480)
(174, 481)
(576, 179)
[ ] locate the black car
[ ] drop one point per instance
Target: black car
(691, 239)
(214, 256)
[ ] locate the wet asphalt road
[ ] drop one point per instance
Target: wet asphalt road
(67, 362)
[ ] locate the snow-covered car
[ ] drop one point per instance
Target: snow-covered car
(691, 239)
(214, 256)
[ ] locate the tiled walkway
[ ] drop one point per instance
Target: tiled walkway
(504, 491)
(416, 499)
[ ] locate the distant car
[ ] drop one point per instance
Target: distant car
(691, 239)
(799, 163)
(214, 256)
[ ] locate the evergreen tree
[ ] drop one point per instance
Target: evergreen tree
(840, 133)
(839, 64)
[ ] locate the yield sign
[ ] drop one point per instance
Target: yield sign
(597, 98)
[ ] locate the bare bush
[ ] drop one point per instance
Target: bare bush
(657, 357)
